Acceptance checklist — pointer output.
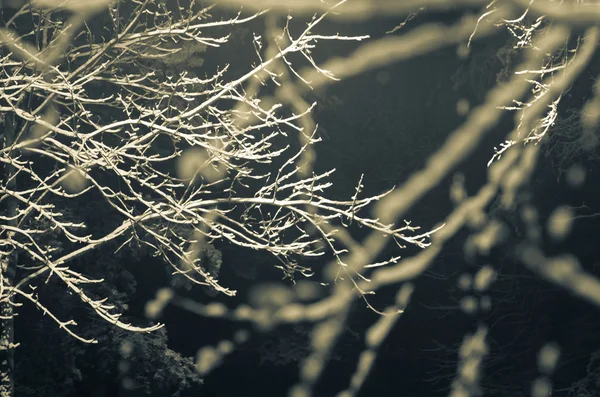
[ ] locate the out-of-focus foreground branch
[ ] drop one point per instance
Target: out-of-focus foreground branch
(556, 41)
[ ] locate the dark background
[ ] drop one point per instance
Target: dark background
(383, 124)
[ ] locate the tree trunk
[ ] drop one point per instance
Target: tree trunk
(8, 263)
